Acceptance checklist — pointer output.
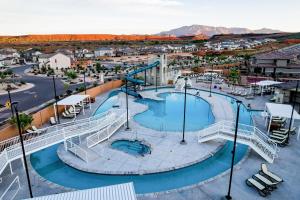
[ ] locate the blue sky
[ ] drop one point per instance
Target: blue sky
(142, 16)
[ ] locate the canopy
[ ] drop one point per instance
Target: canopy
(279, 110)
(73, 100)
(266, 83)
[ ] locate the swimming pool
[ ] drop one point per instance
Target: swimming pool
(133, 147)
(167, 115)
(49, 166)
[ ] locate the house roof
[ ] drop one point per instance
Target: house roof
(284, 53)
(104, 49)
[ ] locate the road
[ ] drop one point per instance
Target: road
(42, 92)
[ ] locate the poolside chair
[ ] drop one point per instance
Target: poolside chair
(72, 110)
(52, 121)
(280, 141)
(262, 190)
(278, 136)
(273, 99)
(270, 184)
(67, 115)
(29, 131)
(292, 130)
(280, 132)
(264, 171)
(36, 130)
(280, 121)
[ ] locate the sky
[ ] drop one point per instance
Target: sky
(19, 17)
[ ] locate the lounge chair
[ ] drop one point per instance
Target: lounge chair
(264, 171)
(292, 130)
(52, 121)
(270, 184)
(278, 136)
(67, 115)
(279, 121)
(72, 110)
(36, 130)
(262, 190)
(273, 99)
(281, 142)
(280, 132)
(30, 131)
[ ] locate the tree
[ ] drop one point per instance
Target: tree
(72, 74)
(25, 120)
(234, 75)
(98, 67)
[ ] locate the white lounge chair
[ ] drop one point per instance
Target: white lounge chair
(292, 130)
(262, 190)
(267, 182)
(29, 131)
(67, 115)
(52, 121)
(36, 130)
(264, 171)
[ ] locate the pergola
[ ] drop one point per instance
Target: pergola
(73, 100)
(279, 110)
(263, 84)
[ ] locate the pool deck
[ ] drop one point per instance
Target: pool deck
(286, 166)
(166, 151)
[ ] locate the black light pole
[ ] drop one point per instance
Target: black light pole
(56, 98)
(127, 123)
(145, 79)
(184, 110)
(15, 106)
(211, 79)
(291, 118)
(84, 82)
(239, 103)
(9, 97)
(156, 79)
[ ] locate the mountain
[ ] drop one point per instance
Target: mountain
(211, 30)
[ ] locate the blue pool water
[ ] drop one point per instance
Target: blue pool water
(108, 103)
(49, 166)
(135, 147)
(167, 115)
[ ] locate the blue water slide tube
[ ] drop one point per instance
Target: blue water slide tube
(137, 81)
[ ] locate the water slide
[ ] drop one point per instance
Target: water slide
(129, 77)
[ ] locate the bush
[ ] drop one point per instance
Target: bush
(25, 120)
(71, 74)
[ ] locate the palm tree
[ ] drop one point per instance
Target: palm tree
(25, 120)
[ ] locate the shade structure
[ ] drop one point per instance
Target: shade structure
(73, 100)
(279, 110)
(266, 83)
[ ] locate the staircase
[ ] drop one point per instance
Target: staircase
(107, 132)
(248, 135)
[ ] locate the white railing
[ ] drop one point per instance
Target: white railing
(50, 138)
(249, 135)
(11, 196)
(106, 133)
(77, 150)
(3, 160)
(15, 140)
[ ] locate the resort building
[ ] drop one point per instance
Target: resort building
(280, 63)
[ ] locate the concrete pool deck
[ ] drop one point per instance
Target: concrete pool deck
(287, 166)
(166, 151)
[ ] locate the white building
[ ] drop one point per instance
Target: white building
(104, 51)
(55, 61)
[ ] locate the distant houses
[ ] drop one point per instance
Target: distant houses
(9, 56)
(104, 51)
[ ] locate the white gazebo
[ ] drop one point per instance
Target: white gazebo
(264, 84)
(279, 110)
(73, 100)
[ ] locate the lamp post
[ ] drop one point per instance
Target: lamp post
(156, 79)
(56, 98)
(184, 110)
(239, 103)
(9, 97)
(84, 81)
(15, 106)
(211, 79)
(127, 123)
(291, 118)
